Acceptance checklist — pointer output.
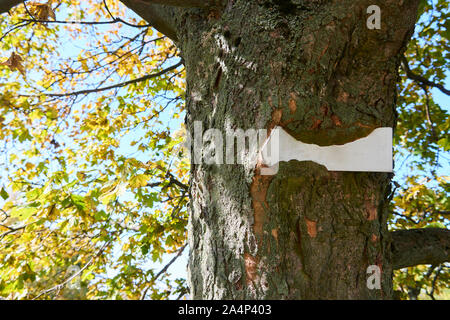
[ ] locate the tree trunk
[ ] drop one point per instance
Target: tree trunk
(315, 69)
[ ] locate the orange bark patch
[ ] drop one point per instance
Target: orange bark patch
(337, 122)
(251, 267)
(374, 238)
(277, 114)
(362, 125)
(343, 97)
(316, 124)
(312, 228)
(371, 211)
(292, 103)
(275, 234)
(258, 192)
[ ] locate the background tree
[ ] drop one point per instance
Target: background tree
(96, 179)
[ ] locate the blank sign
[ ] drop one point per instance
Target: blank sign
(370, 154)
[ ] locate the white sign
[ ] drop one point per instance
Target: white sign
(370, 154)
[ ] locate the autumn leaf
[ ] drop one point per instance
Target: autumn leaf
(42, 11)
(15, 63)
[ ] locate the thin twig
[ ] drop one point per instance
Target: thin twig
(61, 285)
(418, 78)
(163, 270)
(119, 85)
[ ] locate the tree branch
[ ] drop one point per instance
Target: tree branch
(159, 16)
(6, 5)
(420, 246)
(11, 230)
(119, 85)
(61, 285)
(163, 270)
(419, 79)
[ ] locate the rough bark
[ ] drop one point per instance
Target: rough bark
(420, 246)
(314, 68)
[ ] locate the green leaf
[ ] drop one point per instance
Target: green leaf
(23, 213)
(4, 194)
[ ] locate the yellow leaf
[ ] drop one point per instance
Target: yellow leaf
(42, 11)
(141, 180)
(29, 166)
(15, 63)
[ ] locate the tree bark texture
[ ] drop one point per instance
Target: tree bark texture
(314, 68)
